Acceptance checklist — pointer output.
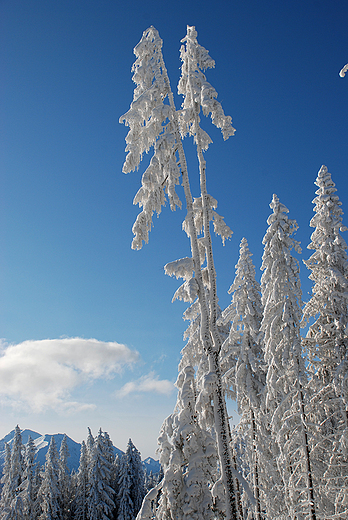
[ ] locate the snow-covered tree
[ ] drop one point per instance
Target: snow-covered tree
(6, 497)
(80, 500)
(49, 492)
(65, 492)
(29, 487)
(243, 367)
(326, 346)
(11, 501)
(100, 494)
(286, 378)
(188, 458)
(131, 488)
(155, 122)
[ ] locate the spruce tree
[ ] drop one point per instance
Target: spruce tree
(243, 367)
(100, 494)
(131, 483)
(188, 457)
(29, 487)
(49, 492)
(6, 498)
(65, 491)
(11, 501)
(80, 501)
(155, 122)
(326, 346)
(286, 378)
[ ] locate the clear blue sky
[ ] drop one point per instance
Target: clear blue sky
(66, 267)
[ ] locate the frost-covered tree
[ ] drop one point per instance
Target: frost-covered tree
(286, 378)
(243, 366)
(29, 487)
(100, 494)
(49, 492)
(326, 346)
(155, 122)
(80, 500)
(131, 484)
(6, 497)
(125, 507)
(11, 501)
(65, 492)
(188, 458)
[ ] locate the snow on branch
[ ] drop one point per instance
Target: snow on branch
(187, 292)
(220, 227)
(197, 91)
(343, 71)
(151, 126)
(182, 268)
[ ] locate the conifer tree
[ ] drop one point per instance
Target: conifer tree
(100, 494)
(131, 484)
(243, 366)
(155, 123)
(65, 492)
(188, 457)
(6, 497)
(286, 378)
(125, 507)
(48, 495)
(80, 501)
(11, 501)
(29, 487)
(326, 346)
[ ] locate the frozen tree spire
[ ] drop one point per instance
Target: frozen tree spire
(327, 340)
(243, 342)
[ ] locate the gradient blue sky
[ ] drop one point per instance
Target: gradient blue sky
(66, 267)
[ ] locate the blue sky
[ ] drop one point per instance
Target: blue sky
(66, 267)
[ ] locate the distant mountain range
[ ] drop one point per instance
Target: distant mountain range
(42, 443)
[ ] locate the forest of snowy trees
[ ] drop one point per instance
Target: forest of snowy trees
(105, 486)
(288, 457)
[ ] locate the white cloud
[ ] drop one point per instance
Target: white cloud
(43, 373)
(148, 383)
